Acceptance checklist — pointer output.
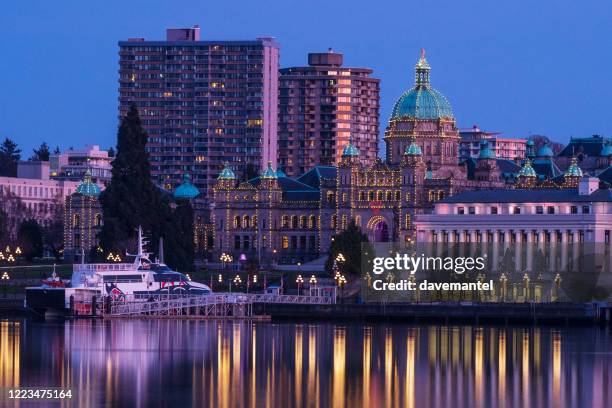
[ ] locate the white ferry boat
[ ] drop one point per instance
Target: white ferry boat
(141, 280)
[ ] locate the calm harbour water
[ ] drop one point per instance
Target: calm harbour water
(232, 364)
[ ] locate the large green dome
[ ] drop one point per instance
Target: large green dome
(422, 101)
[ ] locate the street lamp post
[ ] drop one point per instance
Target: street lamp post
(5, 280)
(313, 281)
(299, 280)
(341, 283)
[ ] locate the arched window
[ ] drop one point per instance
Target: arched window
(441, 195)
(294, 221)
(407, 221)
(361, 196)
(98, 220)
(389, 196)
(398, 196)
(312, 222)
(371, 196)
(76, 221)
(330, 196)
(358, 220)
(379, 196)
(245, 221)
(237, 221)
(334, 221)
(344, 221)
(344, 197)
(303, 222)
(254, 221)
(285, 221)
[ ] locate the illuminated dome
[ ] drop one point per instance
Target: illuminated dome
(527, 170)
(422, 101)
(269, 173)
(87, 187)
(226, 173)
(350, 151)
(574, 170)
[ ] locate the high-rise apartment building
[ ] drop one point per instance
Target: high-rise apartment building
(321, 107)
(202, 103)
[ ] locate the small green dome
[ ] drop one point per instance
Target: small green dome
(87, 187)
(573, 170)
(413, 150)
(428, 175)
(485, 151)
(226, 173)
(350, 151)
(527, 170)
(545, 151)
(606, 151)
(422, 101)
(269, 173)
(280, 173)
(186, 190)
(530, 143)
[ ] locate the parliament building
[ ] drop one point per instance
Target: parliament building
(277, 219)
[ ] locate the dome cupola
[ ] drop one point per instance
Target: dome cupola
(527, 170)
(422, 101)
(269, 172)
(186, 191)
(227, 173)
(87, 187)
(545, 151)
(573, 170)
(485, 151)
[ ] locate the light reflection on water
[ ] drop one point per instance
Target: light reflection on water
(227, 364)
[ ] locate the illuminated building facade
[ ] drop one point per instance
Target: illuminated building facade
(321, 106)
(278, 218)
(202, 103)
(82, 219)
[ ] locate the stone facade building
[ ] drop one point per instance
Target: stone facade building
(82, 220)
(281, 219)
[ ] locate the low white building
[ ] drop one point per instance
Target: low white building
(38, 199)
(568, 215)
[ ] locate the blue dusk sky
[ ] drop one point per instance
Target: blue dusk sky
(519, 67)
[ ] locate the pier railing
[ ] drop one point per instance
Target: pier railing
(218, 304)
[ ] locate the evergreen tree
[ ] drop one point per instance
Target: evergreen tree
(29, 238)
(10, 154)
(180, 250)
(111, 152)
(349, 244)
(42, 153)
(131, 200)
(56, 150)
